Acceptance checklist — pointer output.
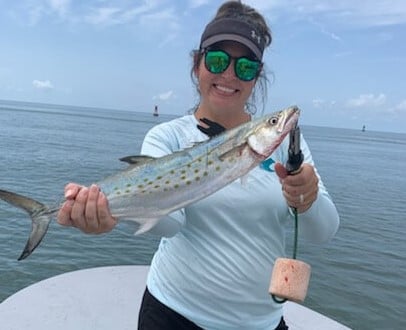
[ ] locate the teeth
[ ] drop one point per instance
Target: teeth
(225, 89)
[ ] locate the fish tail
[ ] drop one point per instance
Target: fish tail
(41, 216)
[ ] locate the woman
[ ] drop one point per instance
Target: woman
(213, 264)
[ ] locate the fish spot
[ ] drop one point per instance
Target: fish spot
(140, 186)
(167, 182)
(209, 162)
(205, 173)
(150, 183)
(183, 177)
(176, 186)
(172, 172)
(128, 185)
(159, 177)
(197, 178)
(127, 191)
(218, 168)
(197, 170)
(188, 182)
(157, 186)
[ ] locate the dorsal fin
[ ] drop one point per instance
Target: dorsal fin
(136, 159)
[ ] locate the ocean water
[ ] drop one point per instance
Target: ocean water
(358, 278)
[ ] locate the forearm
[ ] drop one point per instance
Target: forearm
(320, 222)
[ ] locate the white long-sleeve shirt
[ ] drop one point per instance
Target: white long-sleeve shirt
(215, 259)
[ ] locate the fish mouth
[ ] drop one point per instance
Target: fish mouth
(291, 120)
(289, 123)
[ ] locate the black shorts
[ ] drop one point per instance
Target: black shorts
(154, 315)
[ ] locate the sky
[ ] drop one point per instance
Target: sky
(342, 62)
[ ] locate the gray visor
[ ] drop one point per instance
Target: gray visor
(232, 29)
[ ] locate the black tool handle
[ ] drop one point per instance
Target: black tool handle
(295, 159)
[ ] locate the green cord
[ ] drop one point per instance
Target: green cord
(296, 233)
(276, 299)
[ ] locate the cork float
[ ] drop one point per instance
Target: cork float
(290, 279)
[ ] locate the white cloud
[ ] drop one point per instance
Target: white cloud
(104, 16)
(367, 100)
(321, 104)
(43, 85)
(151, 18)
(344, 12)
(163, 18)
(32, 12)
(164, 96)
(59, 6)
(115, 15)
(198, 3)
(324, 30)
(401, 107)
(318, 103)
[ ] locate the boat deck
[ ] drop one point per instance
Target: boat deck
(106, 298)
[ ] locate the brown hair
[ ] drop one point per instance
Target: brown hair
(236, 9)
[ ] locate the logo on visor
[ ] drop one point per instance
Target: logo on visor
(255, 36)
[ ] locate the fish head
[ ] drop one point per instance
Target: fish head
(271, 130)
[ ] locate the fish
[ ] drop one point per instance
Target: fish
(151, 188)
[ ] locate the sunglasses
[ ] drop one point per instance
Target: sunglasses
(217, 61)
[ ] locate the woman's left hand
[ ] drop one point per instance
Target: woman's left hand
(300, 189)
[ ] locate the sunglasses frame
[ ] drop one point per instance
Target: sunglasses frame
(236, 63)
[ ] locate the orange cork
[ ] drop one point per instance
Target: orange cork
(290, 279)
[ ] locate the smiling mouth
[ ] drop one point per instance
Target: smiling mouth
(226, 90)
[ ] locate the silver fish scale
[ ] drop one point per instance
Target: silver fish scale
(156, 190)
(160, 186)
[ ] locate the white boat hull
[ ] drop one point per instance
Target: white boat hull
(106, 298)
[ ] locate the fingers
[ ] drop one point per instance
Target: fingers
(71, 190)
(280, 171)
(300, 190)
(86, 209)
(106, 221)
(64, 213)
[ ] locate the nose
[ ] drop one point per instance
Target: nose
(230, 72)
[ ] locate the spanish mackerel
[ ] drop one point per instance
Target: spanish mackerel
(151, 188)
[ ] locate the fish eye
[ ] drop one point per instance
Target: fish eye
(273, 120)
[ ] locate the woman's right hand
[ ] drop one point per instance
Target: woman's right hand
(86, 208)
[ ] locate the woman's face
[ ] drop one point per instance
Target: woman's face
(224, 92)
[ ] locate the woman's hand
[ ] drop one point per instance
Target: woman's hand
(300, 189)
(86, 208)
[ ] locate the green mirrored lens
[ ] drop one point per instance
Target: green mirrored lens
(246, 69)
(217, 61)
